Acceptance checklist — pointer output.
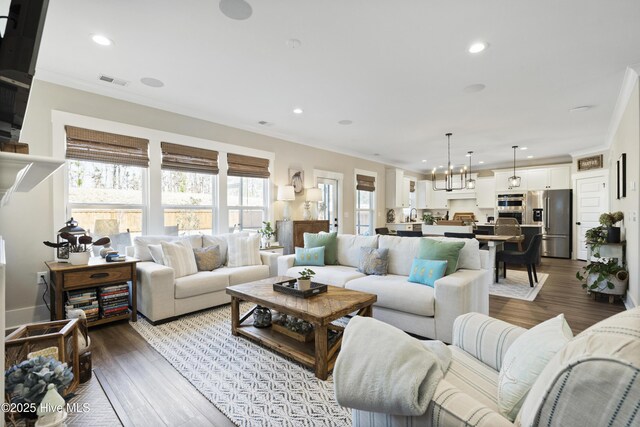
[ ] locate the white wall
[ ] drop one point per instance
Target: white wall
(627, 140)
(28, 220)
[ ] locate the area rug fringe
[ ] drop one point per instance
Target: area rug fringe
(247, 382)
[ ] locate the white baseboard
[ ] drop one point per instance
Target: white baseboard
(20, 316)
(629, 303)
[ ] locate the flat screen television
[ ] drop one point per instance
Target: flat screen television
(20, 34)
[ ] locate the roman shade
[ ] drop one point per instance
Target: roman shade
(189, 159)
(365, 183)
(247, 166)
(97, 146)
(412, 186)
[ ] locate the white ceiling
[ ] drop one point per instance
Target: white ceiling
(397, 69)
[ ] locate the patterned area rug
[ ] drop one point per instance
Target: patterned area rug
(249, 383)
(516, 285)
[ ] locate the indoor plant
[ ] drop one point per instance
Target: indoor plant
(267, 234)
(608, 220)
(604, 276)
(79, 246)
(304, 279)
(427, 218)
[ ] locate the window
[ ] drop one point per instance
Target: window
(106, 183)
(365, 204)
(247, 202)
(188, 183)
(364, 213)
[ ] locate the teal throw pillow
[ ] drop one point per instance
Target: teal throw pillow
(426, 272)
(441, 251)
(373, 261)
(309, 256)
(328, 240)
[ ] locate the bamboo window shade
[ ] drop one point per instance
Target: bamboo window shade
(412, 186)
(247, 166)
(189, 159)
(365, 183)
(97, 146)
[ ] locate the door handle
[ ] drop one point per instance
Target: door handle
(578, 223)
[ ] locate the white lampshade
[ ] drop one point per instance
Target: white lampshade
(286, 192)
(314, 194)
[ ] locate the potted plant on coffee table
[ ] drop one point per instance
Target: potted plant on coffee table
(304, 279)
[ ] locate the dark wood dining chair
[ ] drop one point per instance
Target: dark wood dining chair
(409, 233)
(459, 235)
(528, 258)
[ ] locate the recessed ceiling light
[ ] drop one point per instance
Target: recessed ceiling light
(529, 157)
(424, 161)
(293, 43)
(478, 87)
(440, 166)
(101, 40)
(235, 9)
(580, 109)
(477, 47)
(345, 122)
(151, 82)
(523, 148)
(481, 162)
(297, 111)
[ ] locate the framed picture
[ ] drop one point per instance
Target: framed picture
(296, 179)
(588, 163)
(622, 176)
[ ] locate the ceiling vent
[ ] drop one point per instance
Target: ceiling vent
(112, 80)
(265, 123)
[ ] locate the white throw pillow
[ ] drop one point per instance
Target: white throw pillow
(525, 360)
(469, 258)
(157, 254)
(244, 250)
(179, 256)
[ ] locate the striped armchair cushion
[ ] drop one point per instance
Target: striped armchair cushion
(485, 338)
(594, 380)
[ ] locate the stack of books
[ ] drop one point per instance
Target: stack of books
(114, 300)
(86, 300)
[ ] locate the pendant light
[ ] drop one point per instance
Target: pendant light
(448, 174)
(514, 181)
(471, 183)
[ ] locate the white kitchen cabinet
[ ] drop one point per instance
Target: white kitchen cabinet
(486, 192)
(406, 194)
(423, 194)
(394, 186)
(439, 200)
(560, 177)
(537, 179)
(502, 180)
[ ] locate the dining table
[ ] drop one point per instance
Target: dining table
(495, 243)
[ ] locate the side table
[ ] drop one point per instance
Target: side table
(66, 277)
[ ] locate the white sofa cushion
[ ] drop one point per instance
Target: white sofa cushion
(179, 256)
(203, 282)
(402, 251)
(247, 273)
(141, 243)
(396, 293)
(473, 377)
(156, 253)
(244, 250)
(221, 240)
(335, 275)
(469, 254)
(525, 360)
(349, 248)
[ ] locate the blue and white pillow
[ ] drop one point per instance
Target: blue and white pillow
(373, 261)
(426, 271)
(310, 256)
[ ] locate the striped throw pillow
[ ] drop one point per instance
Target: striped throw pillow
(244, 250)
(179, 256)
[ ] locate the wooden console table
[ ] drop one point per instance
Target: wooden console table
(66, 277)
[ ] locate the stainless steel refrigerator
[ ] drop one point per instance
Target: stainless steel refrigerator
(551, 209)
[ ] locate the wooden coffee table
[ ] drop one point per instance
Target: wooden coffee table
(319, 310)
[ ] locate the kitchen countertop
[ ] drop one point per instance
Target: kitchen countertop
(403, 223)
(521, 225)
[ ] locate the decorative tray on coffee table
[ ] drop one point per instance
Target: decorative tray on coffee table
(290, 287)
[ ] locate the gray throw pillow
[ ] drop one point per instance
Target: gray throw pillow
(208, 258)
(373, 261)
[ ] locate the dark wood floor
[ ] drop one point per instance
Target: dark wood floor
(151, 392)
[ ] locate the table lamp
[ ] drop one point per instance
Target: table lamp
(286, 193)
(313, 195)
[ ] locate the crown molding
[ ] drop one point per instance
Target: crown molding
(628, 83)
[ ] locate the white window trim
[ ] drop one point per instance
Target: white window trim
(338, 176)
(243, 207)
(374, 200)
(213, 207)
(153, 218)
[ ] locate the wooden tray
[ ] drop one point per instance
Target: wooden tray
(289, 287)
(295, 335)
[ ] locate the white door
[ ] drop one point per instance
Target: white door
(592, 200)
(328, 207)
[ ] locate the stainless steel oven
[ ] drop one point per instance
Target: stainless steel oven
(511, 202)
(516, 215)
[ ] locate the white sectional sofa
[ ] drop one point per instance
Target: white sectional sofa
(162, 297)
(419, 309)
